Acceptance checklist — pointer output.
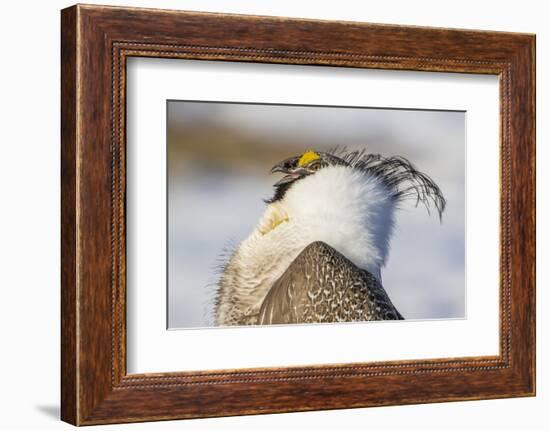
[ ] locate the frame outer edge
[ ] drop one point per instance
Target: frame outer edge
(533, 54)
(531, 63)
(523, 217)
(532, 198)
(69, 303)
(88, 396)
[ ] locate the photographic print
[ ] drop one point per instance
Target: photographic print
(239, 209)
(293, 214)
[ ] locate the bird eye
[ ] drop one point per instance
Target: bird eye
(314, 166)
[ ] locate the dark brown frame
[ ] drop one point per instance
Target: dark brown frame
(95, 43)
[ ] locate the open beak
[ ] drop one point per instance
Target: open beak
(286, 179)
(288, 167)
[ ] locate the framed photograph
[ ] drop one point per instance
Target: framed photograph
(322, 214)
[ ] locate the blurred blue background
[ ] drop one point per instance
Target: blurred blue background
(219, 156)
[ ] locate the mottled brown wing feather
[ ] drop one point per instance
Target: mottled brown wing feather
(322, 286)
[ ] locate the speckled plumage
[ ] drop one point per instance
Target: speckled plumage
(323, 286)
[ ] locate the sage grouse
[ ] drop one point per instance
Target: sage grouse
(317, 252)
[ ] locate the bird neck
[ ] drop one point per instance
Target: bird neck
(348, 209)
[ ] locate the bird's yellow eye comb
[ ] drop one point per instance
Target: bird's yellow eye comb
(307, 157)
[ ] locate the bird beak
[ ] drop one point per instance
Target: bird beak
(277, 168)
(290, 168)
(286, 166)
(286, 179)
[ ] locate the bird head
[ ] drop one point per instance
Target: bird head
(398, 175)
(298, 167)
(305, 164)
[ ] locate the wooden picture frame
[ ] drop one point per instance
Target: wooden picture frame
(95, 43)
